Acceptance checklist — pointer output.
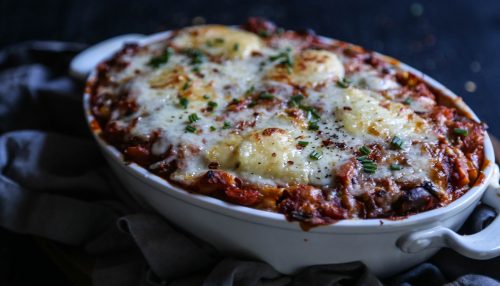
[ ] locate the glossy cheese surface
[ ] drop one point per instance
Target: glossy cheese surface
(262, 117)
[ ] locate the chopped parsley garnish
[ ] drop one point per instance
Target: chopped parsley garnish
(206, 96)
(407, 101)
(236, 47)
(344, 83)
(161, 59)
(266, 96)
(278, 56)
(295, 100)
(185, 86)
(310, 112)
(190, 129)
(369, 168)
(193, 118)
(297, 97)
(315, 155)
(250, 90)
(214, 42)
(212, 104)
(183, 102)
(363, 158)
(226, 125)
(303, 143)
(368, 165)
(461, 131)
(395, 167)
(195, 55)
(196, 69)
(285, 59)
(397, 142)
(263, 33)
(212, 128)
(365, 150)
(313, 125)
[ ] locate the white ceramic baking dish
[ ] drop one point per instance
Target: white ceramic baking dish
(385, 246)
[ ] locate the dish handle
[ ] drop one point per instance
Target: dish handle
(482, 245)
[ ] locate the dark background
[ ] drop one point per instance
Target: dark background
(455, 42)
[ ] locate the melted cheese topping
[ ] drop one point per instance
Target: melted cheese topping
(310, 67)
(219, 40)
(250, 120)
(378, 117)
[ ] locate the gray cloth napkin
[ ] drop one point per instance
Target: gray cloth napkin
(55, 184)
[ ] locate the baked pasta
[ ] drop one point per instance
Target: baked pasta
(286, 121)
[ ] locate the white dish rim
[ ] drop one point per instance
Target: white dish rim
(279, 220)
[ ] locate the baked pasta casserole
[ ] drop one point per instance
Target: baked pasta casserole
(285, 121)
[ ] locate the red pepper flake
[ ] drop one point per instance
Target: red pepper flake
(327, 142)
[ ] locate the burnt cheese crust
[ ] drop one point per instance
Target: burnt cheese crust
(288, 122)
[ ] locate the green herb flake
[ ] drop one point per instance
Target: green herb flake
(408, 101)
(250, 90)
(156, 62)
(212, 104)
(195, 55)
(311, 113)
(313, 125)
(183, 102)
(369, 166)
(190, 129)
(212, 128)
(236, 47)
(285, 60)
(297, 97)
(397, 142)
(295, 100)
(206, 96)
(344, 83)
(461, 131)
(186, 85)
(395, 167)
(266, 96)
(214, 42)
(370, 169)
(365, 150)
(193, 118)
(196, 69)
(226, 125)
(315, 155)
(363, 159)
(303, 143)
(263, 33)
